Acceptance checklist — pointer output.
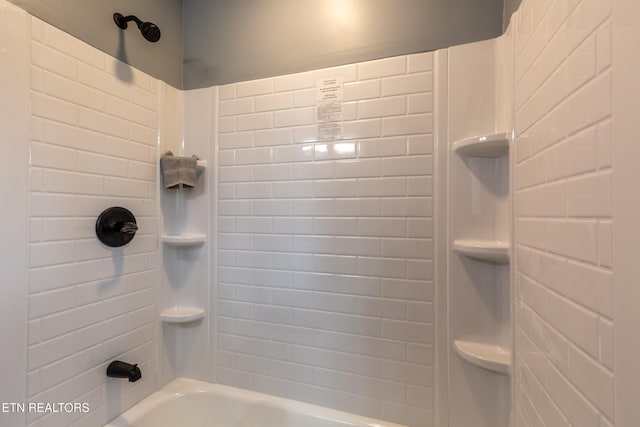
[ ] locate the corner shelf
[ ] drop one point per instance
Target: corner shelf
(201, 164)
(182, 240)
(491, 251)
(180, 315)
(484, 353)
(495, 145)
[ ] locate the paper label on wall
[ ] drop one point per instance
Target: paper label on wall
(329, 101)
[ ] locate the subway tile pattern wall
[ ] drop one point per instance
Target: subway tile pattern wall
(564, 309)
(93, 145)
(325, 248)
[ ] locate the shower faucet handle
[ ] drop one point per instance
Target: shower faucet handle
(129, 228)
(116, 227)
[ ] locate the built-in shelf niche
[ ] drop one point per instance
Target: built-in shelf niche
(484, 353)
(495, 145)
(183, 240)
(181, 315)
(478, 188)
(491, 251)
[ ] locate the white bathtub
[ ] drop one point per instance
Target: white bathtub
(189, 403)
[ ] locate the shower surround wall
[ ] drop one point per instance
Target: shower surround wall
(325, 277)
(93, 145)
(563, 202)
(325, 248)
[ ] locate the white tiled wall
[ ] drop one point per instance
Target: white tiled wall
(564, 308)
(325, 248)
(93, 145)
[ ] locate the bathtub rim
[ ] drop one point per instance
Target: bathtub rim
(185, 386)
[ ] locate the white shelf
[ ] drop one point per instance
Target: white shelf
(482, 352)
(495, 145)
(181, 314)
(187, 239)
(492, 251)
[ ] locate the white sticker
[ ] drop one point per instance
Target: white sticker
(329, 97)
(330, 90)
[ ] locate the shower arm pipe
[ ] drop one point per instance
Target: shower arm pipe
(122, 21)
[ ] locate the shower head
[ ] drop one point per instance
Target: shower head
(149, 30)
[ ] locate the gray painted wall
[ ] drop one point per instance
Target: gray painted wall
(235, 40)
(223, 41)
(510, 6)
(92, 21)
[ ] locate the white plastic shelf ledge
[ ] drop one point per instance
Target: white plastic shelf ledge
(181, 315)
(495, 145)
(484, 353)
(201, 164)
(492, 251)
(182, 240)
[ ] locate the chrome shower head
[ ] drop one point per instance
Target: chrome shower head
(149, 30)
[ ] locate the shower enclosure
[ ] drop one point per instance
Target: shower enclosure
(435, 248)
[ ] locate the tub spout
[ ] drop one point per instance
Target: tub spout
(118, 369)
